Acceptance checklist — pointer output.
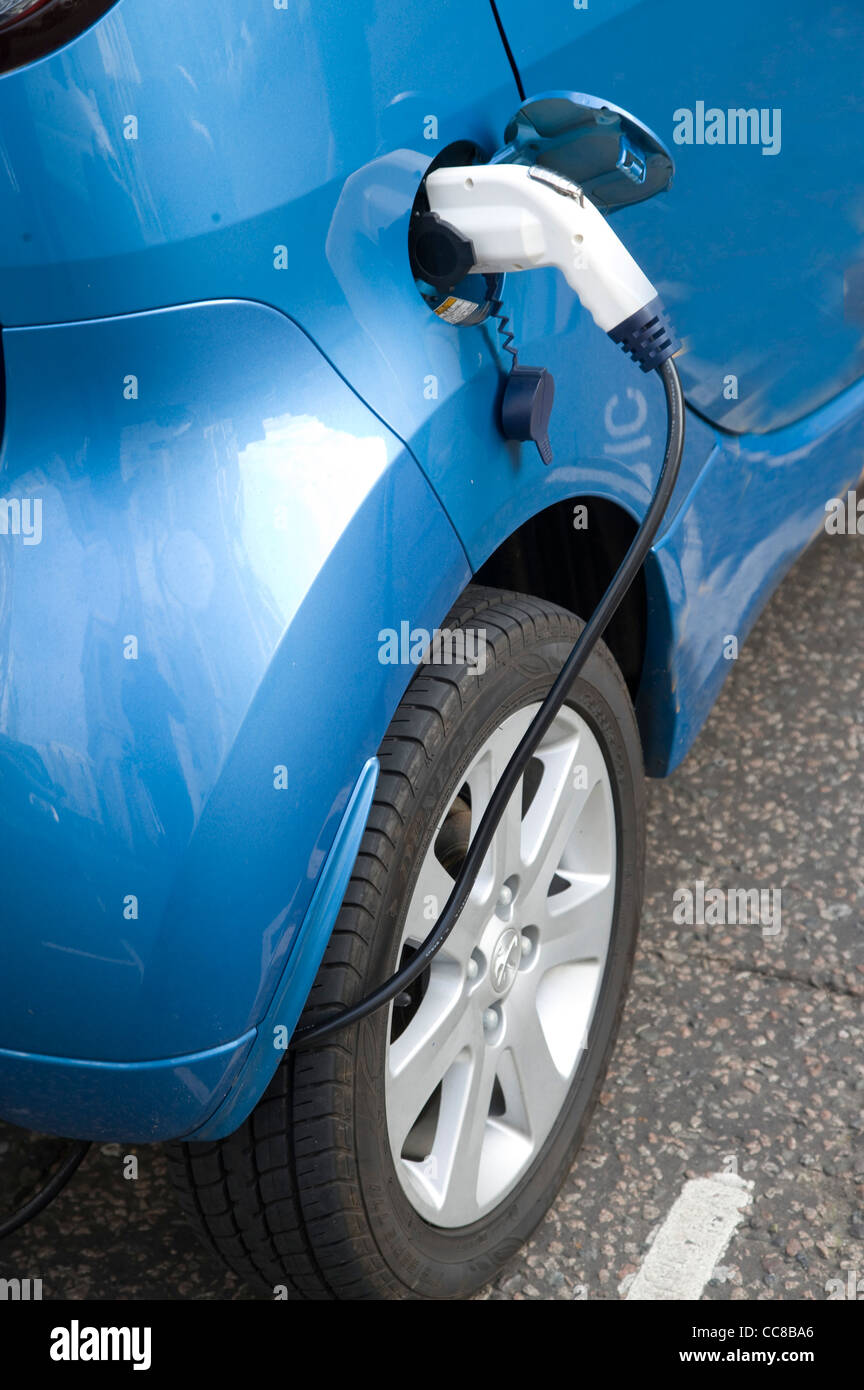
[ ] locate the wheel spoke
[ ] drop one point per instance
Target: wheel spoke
(556, 813)
(463, 1124)
(431, 891)
(578, 922)
(505, 855)
(420, 1057)
(541, 1083)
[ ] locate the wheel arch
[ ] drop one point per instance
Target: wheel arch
(541, 558)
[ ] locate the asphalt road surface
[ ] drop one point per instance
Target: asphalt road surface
(740, 1052)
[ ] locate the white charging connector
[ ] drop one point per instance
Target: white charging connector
(522, 218)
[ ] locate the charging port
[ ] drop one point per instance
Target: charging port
(441, 258)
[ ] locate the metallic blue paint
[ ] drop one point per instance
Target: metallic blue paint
(306, 456)
(758, 258)
(757, 503)
(612, 155)
(299, 974)
(136, 1102)
(231, 520)
(139, 1102)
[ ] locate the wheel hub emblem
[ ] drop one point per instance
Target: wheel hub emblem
(505, 960)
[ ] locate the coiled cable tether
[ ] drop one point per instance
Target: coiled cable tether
(46, 1194)
(506, 332)
(539, 726)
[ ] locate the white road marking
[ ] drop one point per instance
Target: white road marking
(692, 1239)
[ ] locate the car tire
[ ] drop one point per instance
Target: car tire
(315, 1196)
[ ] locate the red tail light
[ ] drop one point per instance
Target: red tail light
(31, 28)
(11, 11)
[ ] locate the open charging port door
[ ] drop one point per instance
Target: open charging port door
(613, 156)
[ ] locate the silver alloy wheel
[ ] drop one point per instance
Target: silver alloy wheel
(477, 1075)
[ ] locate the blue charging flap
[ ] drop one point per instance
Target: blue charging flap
(615, 158)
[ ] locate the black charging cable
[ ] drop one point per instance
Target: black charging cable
(479, 846)
(46, 1194)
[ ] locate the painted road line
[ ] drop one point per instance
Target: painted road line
(692, 1239)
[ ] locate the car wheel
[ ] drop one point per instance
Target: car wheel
(412, 1155)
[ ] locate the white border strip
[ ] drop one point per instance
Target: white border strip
(692, 1239)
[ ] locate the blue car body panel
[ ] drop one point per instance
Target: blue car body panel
(153, 1100)
(759, 257)
(278, 1024)
(757, 503)
(137, 1102)
(209, 586)
(256, 448)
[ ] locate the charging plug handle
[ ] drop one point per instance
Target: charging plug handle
(520, 218)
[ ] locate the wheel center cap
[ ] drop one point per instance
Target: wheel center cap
(505, 960)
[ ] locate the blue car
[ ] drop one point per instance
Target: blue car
(281, 591)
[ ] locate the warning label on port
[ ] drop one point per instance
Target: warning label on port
(456, 310)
